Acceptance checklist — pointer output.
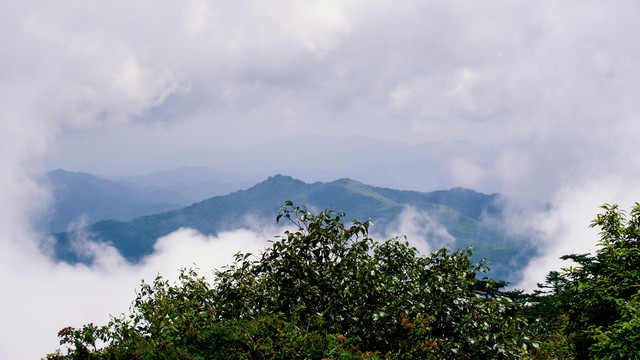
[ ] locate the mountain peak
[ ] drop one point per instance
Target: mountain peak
(280, 179)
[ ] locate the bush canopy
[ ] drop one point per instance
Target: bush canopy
(326, 290)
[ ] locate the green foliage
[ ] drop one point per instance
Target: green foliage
(604, 290)
(323, 290)
(546, 318)
(593, 311)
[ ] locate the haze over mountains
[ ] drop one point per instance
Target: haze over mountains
(132, 213)
(421, 166)
(81, 198)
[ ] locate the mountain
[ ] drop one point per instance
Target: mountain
(83, 198)
(421, 166)
(194, 179)
(393, 164)
(190, 183)
(458, 212)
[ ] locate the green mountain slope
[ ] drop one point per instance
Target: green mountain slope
(459, 211)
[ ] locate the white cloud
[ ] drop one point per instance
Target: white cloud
(42, 297)
(420, 230)
(467, 173)
(564, 229)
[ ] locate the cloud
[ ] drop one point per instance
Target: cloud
(420, 230)
(467, 173)
(526, 81)
(43, 297)
(564, 228)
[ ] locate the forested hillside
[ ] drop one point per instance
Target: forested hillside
(458, 212)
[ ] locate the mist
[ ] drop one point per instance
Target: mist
(45, 297)
(419, 229)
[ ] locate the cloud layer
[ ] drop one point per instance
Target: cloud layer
(42, 297)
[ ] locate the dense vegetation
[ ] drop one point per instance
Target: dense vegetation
(327, 291)
(592, 310)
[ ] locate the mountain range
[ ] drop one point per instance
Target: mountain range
(457, 217)
(80, 198)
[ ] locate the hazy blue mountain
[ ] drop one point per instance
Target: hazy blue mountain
(459, 211)
(423, 166)
(190, 175)
(394, 164)
(191, 183)
(80, 197)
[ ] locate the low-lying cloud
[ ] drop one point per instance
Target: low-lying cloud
(420, 229)
(41, 297)
(565, 227)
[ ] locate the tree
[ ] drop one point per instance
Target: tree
(546, 318)
(597, 302)
(323, 290)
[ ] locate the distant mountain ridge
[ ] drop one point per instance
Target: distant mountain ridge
(459, 211)
(194, 182)
(80, 197)
(85, 198)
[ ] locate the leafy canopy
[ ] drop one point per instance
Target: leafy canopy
(592, 310)
(324, 290)
(603, 295)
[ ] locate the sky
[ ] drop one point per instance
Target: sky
(536, 100)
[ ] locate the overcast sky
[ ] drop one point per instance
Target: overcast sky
(537, 100)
